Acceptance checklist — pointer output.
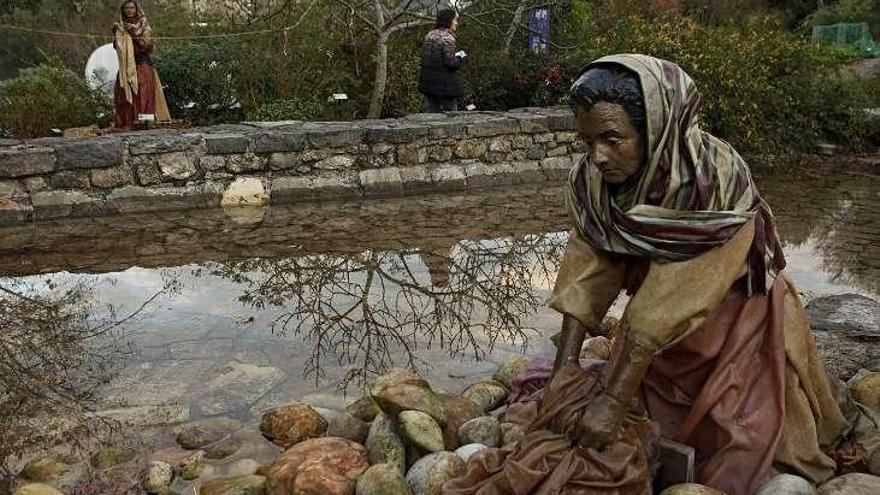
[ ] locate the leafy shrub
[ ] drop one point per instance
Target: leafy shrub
(200, 81)
(288, 110)
(764, 89)
(47, 97)
(847, 11)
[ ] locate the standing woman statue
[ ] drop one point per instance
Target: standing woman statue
(138, 90)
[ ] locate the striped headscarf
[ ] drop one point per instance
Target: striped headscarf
(693, 193)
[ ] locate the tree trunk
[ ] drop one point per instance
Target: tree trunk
(511, 31)
(381, 77)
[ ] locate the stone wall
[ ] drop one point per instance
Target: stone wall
(281, 162)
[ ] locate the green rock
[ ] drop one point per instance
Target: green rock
(384, 445)
(112, 456)
(510, 370)
(37, 489)
(192, 471)
(461, 410)
(402, 390)
(364, 409)
(44, 469)
(421, 429)
(488, 395)
(242, 485)
(382, 479)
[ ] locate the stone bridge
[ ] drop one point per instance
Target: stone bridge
(282, 162)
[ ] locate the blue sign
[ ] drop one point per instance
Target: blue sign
(539, 30)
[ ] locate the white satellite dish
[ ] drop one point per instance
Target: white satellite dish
(102, 68)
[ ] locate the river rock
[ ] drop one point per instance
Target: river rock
(427, 476)
(598, 347)
(342, 424)
(192, 471)
(488, 395)
(242, 485)
(510, 370)
(485, 430)
(842, 325)
(852, 484)
(37, 489)
(465, 452)
(200, 434)
(421, 429)
(320, 466)
(46, 470)
(236, 387)
(691, 489)
(382, 479)
(158, 476)
(787, 484)
(227, 447)
(865, 389)
(290, 424)
(242, 467)
(384, 445)
(402, 390)
(178, 457)
(461, 410)
(112, 456)
(364, 409)
(511, 433)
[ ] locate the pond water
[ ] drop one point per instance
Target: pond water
(238, 310)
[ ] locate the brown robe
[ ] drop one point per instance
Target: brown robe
(737, 378)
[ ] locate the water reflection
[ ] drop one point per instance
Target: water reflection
(373, 310)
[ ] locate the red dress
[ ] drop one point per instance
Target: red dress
(145, 99)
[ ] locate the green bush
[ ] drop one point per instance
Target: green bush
(200, 81)
(288, 110)
(764, 89)
(847, 11)
(47, 97)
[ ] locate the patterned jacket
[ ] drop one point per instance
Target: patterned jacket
(439, 65)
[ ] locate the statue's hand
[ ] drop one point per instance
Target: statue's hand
(600, 422)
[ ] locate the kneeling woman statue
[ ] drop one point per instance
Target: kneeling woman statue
(138, 91)
(714, 349)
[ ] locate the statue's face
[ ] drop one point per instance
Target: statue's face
(129, 10)
(615, 145)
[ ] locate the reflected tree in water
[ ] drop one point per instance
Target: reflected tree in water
(372, 310)
(55, 352)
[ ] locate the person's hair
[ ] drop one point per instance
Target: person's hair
(445, 18)
(611, 83)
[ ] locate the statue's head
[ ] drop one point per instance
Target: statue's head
(129, 9)
(610, 108)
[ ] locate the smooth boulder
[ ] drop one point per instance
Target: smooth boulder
(158, 477)
(382, 479)
(461, 410)
(422, 430)
(484, 430)
(852, 484)
(865, 389)
(291, 424)
(37, 489)
(691, 489)
(365, 409)
(199, 434)
(384, 444)
(510, 370)
(427, 476)
(787, 484)
(465, 452)
(488, 395)
(319, 466)
(511, 434)
(402, 390)
(242, 485)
